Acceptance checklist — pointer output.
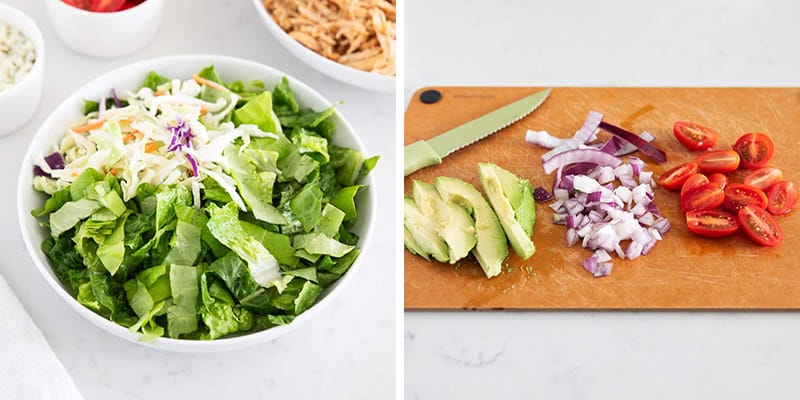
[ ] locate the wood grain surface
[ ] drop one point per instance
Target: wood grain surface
(684, 271)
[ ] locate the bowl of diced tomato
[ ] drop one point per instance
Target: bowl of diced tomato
(105, 28)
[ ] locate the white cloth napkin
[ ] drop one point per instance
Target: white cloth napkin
(28, 367)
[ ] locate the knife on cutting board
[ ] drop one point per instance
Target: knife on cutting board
(425, 153)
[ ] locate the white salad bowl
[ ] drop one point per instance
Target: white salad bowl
(19, 102)
(106, 35)
(353, 76)
(132, 76)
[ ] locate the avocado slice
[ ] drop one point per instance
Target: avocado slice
(422, 231)
(451, 222)
(412, 245)
(491, 248)
(520, 194)
(500, 197)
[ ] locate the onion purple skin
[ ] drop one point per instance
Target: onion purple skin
(541, 195)
(117, 102)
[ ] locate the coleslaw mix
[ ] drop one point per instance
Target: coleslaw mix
(198, 209)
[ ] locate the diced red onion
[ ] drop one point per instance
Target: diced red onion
(637, 165)
(634, 250)
(559, 219)
(583, 135)
(646, 147)
(579, 156)
(55, 161)
(541, 194)
(572, 237)
(662, 225)
(561, 194)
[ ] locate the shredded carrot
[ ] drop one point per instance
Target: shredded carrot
(151, 147)
(113, 171)
(128, 138)
(203, 111)
(74, 174)
(160, 92)
(211, 84)
(88, 127)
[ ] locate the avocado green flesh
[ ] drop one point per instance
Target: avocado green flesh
(520, 194)
(491, 248)
(501, 204)
(412, 245)
(421, 230)
(450, 221)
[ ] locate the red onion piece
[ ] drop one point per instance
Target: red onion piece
(578, 156)
(541, 194)
(582, 136)
(55, 161)
(647, 148)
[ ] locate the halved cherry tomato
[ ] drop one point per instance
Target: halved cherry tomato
(694, 136)
(760, 226)
(82, 4)
(694, 182)
(712, 223)
(782, 198)
(764, 178)
(738, 195)
(703, 197)
(718, 179)
(755, 149)
(674, 178)
(107, 5)
(718, 161)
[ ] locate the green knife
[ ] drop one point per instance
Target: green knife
(425, 153)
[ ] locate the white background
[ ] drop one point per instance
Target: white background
(348, 352)
(602, 355)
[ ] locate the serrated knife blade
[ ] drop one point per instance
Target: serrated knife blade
(425, 153)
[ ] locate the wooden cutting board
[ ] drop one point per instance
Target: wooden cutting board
(684, 271)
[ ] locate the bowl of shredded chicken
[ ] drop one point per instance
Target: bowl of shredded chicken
(349, 40)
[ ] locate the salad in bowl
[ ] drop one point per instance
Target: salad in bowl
(190, 207)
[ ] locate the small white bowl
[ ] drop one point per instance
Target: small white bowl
(131, 76)
(106, 35)
(353, 76)
(19, 102)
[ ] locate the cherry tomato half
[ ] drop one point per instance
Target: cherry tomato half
(82, 4)
(760, 226)
(704, 197)
(718, 179)
(694, 182)
(764, 178)
(738, 195)
(712, 223)
(107, 5)
(694, 136)
(755, 149)
(782, 198)
(718, 161)
(674, 178)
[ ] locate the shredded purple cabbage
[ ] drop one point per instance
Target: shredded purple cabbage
(38, 171)
(117, 102)
(181, 138)
(55, 161)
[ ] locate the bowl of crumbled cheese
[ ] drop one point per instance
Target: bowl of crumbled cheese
(21, 68)
(349, 40)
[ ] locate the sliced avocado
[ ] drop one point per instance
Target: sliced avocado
(491, 248)
(422, 230)
(451, 221)
(412, 245)
(520, 194)
(492, 185)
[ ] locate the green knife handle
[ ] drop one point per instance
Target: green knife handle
(419, 155)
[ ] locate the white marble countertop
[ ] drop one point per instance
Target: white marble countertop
(347, 352)
(601, 355)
